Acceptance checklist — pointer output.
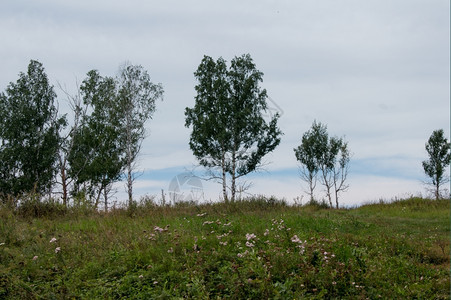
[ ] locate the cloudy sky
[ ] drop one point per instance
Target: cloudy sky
(375, 71)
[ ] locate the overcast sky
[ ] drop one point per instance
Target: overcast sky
(374, 71)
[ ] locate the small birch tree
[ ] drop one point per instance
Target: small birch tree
(326, 158)
(438, 149)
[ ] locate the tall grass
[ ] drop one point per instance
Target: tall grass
(254, 248)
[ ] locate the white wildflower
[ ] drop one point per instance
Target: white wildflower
(295, 239)
(250, 245)
(250, 236)
(158, 229)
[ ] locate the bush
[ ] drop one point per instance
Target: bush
(317, 204)
(31, 206)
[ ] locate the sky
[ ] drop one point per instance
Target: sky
(375, 71)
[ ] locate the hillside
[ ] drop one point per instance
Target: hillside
(250, 249)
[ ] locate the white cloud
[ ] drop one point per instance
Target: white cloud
(375, 71)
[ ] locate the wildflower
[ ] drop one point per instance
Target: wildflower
(208, 222)
(158, 229)
(295, 239)
(250, 245)
(334, 283)
(35, 257)
(223, 243)
(201, 215)
(228, 224)
(170, 250)
(141, 276)
(266, 232)
(155, 282)
(222, 235)
(53, 240)
(250, 236)
(1, 244)
(243, 254)
(57, 249)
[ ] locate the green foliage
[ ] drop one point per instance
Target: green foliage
(438, 149)
(136, 98)
(97, 158)
(29, 133)
(326, 157)
(308, 153)
(31, 206)
(229, 132)
(108, 138)
(209, 251)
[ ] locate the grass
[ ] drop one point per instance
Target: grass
(258, 248)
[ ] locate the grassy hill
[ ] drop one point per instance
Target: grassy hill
(258, 248)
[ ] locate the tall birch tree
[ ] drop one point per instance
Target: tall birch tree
(229, 132)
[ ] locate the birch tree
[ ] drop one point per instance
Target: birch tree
(229, 133)
(137, 96)
(438, 149)
(96, 156)
(29, 133)
(324, 157)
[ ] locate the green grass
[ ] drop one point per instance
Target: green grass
(248, 249)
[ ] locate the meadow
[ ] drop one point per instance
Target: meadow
(257, 248)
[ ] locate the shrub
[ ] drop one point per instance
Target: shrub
(31, 206)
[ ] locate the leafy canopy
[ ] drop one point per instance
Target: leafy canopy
(29, 133)
(438, 149)
(228, 126)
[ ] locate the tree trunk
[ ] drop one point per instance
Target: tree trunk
(105, 195)
(437, 190)
(233, 176)
(329, 196)
(224, 179)
(312, 187)
(337, 189)
(129, 161)
(64, 181)
(130, 185)
(327, 184)
(336, 197)
(96, 205)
